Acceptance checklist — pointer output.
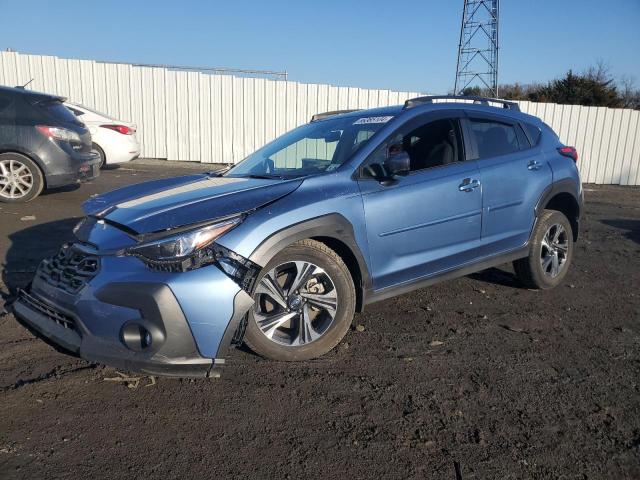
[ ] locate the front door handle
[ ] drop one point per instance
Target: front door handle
(533, 165)
(468, 184)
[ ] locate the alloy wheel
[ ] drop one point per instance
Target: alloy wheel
(16, 180)
(295, 303)
(555, 247)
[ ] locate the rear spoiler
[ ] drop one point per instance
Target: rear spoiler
(44, 98)
(38, 97)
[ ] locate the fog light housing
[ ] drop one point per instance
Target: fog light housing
(141, 337)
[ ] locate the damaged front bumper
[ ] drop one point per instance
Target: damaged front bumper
(115, 310)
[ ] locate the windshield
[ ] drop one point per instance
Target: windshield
(310, 149)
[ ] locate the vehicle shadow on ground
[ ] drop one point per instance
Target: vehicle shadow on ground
(115, 166)
(632, 228)
(57, 190)
(497, 277)
(28, 247)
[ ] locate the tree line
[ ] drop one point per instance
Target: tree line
(594, 87)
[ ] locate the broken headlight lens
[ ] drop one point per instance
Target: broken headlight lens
(196, 249)
(178, 247)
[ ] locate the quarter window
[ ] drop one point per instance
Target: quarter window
(75, 111)
(494, 138)
(533, 132)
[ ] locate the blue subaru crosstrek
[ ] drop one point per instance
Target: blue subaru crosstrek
(279, 251)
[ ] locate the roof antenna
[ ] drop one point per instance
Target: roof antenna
(25, 85)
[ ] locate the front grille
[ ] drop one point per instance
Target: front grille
(70, 269)
(48, 311)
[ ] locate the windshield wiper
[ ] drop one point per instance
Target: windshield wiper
(217, 173)
(261, 176)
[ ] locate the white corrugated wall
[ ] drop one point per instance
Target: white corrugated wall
(201, 117)
(607, 139)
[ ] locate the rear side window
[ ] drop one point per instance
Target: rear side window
(75, 111)
(533, 133)
(7, 108)
(58, 111)
(494, 138)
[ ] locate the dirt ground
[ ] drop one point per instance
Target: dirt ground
(479, 373)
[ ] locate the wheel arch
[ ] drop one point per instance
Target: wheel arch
(104, 154)
(31, 156)
(565, 197)
(333, 230)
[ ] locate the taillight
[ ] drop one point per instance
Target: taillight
(123, 129)
(59, 133)
(570, 152)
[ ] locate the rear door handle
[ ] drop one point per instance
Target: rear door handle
(468, 184)
(533, 165)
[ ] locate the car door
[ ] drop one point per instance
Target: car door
(513, 174)
(428, 221)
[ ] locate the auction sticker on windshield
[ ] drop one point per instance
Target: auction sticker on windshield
(365, 120)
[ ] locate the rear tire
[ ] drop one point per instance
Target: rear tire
(550, 252)
(310, 309)
(103, 158)
(21, 179)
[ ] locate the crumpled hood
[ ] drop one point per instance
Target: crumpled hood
(175, 202)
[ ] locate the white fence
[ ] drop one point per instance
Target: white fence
(196, 116)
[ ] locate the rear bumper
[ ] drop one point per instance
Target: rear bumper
(77, 170)
(124, 150)
(108, 319)
(122, 157)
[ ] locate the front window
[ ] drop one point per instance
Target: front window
(311, 149)
(433, 144)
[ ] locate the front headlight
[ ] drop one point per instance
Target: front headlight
(179, 246)
(182, 245)
(195, 249)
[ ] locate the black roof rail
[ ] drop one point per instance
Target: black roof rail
(322, 116)
(414, 102)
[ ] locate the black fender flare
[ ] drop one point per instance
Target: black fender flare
(333, 226)
(566, 185)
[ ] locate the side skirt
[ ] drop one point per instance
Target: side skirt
(373, 296)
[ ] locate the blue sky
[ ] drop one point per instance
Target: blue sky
(399, 44)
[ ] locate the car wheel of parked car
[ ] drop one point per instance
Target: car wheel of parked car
(20, 178)
(103, 158)
(550, 252)
(304, 303)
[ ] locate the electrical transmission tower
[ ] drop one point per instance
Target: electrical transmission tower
(478, 49)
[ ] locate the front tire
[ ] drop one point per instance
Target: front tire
(304, 303)
(20, 178)
(550, 252)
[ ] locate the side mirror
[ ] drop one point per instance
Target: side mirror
(398, 163)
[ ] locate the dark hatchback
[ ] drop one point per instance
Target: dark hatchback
(42, 145)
